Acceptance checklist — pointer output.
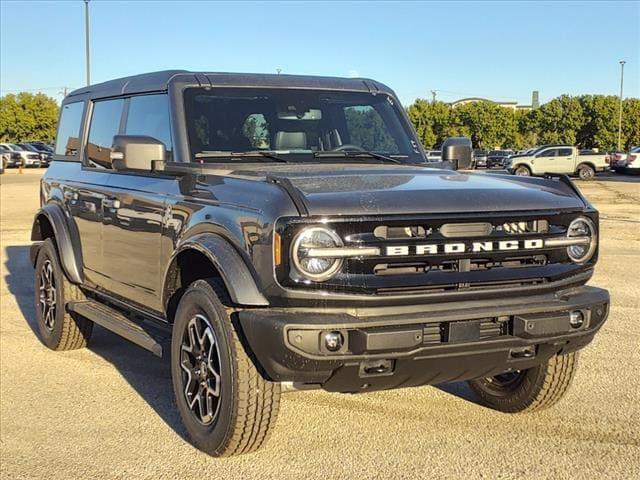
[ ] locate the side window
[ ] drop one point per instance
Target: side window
(68, 138)
(552, 152)
(367, 130)
(256, 130)
(149, 115)
(565, 152)
(105, 124)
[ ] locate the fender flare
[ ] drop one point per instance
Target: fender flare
(66, 237)
(233, 270)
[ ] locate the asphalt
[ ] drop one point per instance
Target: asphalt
(107, 411)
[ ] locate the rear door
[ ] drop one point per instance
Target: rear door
(86, 197)
(135, 211)
(565, 161)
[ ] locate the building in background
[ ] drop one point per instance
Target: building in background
(535, 102)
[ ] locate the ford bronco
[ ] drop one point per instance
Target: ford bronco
(276, 232)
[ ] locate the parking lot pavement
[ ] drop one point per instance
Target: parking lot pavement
(107, 411)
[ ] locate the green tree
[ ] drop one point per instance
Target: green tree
(631, 123)
(27, 116)
(560, 120)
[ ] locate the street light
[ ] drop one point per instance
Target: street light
(622, 62)
(86, 40)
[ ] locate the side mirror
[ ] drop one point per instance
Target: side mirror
(136, 152)
(458, 152)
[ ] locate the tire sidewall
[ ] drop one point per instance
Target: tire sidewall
(585, 172)
(51, 338)
(522, 171)
(520, 396)
(201, 298)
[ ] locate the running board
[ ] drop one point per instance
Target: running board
(116, 322)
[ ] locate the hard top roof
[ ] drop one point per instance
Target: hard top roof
(160, 81)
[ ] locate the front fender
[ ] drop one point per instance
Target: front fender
(233, 270)
(66, 238)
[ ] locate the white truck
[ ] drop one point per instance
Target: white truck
(558, 159)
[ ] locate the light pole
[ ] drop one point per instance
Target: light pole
(86, 40)
(622, 62)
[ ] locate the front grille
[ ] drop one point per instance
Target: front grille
(417, 270)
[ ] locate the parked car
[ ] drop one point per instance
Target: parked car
(317, 251)
(480, 158)
(45, 154)
(631, 163)
(562, 159)
(28, 159)
(9, 157)
(497, 158)
(615, 157)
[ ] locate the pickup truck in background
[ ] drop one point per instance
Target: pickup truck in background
(558, 159)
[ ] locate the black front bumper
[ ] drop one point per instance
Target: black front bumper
(432, 344)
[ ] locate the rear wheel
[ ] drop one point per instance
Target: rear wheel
(227, 407)
(523, 171)
(586, 172)
(528, 390)
(59, 329)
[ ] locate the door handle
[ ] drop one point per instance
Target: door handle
(112, 203)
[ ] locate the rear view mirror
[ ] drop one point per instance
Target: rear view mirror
(458, 152)
(136, 152)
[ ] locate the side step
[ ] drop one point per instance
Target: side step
(116, 322)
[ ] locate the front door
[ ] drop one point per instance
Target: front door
(545, 161)
(135, 211)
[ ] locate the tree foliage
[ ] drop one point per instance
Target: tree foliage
(587, 121)
(25, 117)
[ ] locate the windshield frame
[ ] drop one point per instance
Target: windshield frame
(415, 156)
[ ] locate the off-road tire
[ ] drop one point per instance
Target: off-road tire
(537, 388)
(523, 171)
(69, 331)
(248, 404)
(585, 172)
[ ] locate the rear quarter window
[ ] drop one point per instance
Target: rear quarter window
(68, 137)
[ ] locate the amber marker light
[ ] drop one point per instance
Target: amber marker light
(277, 249)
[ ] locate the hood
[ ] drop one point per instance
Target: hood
(372, 190)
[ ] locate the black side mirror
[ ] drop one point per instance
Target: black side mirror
(458, 152)
(136, 152)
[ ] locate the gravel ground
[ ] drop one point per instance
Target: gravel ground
(107, 411)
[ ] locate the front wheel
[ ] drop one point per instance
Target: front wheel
(523, 171)
(528, 390)
(227, 407)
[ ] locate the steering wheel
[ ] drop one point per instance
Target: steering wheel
(348, 147)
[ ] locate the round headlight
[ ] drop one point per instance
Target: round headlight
(582, 227)
(315, 268)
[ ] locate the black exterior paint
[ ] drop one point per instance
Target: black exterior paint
(119, 233)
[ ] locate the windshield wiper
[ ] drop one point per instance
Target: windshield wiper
(264, 154)
(356, 154)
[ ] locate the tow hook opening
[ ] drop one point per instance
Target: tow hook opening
(373, 368)
(522, 352)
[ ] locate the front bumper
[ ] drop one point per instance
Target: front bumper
(442, 343)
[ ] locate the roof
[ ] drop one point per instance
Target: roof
(160, 81)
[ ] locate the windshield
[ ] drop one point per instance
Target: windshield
(297, 125)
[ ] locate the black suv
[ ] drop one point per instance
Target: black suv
(276, 232)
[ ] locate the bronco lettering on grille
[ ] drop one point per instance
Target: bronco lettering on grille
(460, 247)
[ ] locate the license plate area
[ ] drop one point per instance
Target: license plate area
(458, 332)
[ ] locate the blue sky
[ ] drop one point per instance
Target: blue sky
(499, 50)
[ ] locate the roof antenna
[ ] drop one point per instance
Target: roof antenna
(278, 70)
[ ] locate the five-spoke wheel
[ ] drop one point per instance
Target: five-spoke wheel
(200, 363)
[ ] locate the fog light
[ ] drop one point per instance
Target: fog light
(333, 341)
(576, 318)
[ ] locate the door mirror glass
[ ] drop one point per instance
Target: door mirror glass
(136, 152)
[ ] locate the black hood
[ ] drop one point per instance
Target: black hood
(371, 190)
